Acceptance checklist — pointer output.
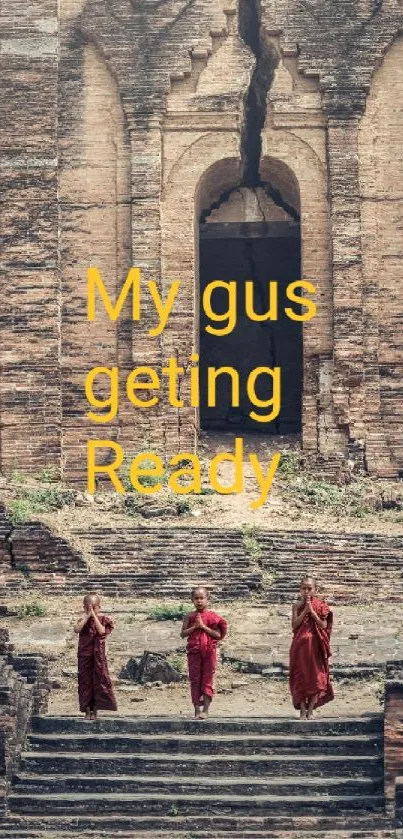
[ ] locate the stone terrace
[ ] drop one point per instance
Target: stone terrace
(165, 561)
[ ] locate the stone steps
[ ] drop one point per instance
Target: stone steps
(286, 788)
(178, 827)
(370, 724)
(158, 803)
(159, 763)
(166, 561)
(207, 744)
(157, 774)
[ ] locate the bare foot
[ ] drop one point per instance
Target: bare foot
(206, 707)
(93, 715)
(309, 715)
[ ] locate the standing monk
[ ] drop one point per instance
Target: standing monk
(312, 623)
(95, 691)
(203, 628)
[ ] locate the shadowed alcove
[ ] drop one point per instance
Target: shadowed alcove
(251, 234)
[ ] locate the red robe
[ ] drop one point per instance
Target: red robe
(309, 658)
(202, 654)
(95, 689)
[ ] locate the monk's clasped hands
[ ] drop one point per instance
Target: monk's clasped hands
(308, 606)
(199, 623)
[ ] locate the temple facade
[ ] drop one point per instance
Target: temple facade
(200, 140)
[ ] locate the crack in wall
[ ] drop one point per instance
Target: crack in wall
(225, 196)
(251, 31)
(279, 201)
(254, 272)
(270, 191)
(255, 110)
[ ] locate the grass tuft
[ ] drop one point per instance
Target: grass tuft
(31, 610)
(168, 613)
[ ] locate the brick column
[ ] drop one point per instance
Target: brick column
(393, 747)
(146, 177)
(24, 692)
(356, 385)
(347, 274)
(30, 388)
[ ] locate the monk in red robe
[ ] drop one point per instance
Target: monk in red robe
(203, 629)
(312, 622)
(95, 689)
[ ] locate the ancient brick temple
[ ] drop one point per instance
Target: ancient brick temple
(166, 134)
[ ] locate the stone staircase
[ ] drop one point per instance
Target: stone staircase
(166, 561)
(349, 567)
(236, 777)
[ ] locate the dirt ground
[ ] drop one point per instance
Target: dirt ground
(370, 633)
(257, 697)
(259, 634)
(287, 507)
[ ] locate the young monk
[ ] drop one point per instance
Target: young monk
(203, 629)
(312, 623)
(95, 689)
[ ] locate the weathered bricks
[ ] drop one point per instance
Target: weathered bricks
(166, 561)
(122, 127)
(24, 690)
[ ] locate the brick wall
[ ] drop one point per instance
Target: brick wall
(381, 187)
(130, 112)
(30, 389)
(393, 745)
(155, 561)
(32, 549)
(24, 690)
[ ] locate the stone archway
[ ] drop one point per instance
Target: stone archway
(201, 170)
(211, 158)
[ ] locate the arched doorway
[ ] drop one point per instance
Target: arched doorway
(251, 234)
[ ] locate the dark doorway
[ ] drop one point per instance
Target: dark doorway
(260, 252)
